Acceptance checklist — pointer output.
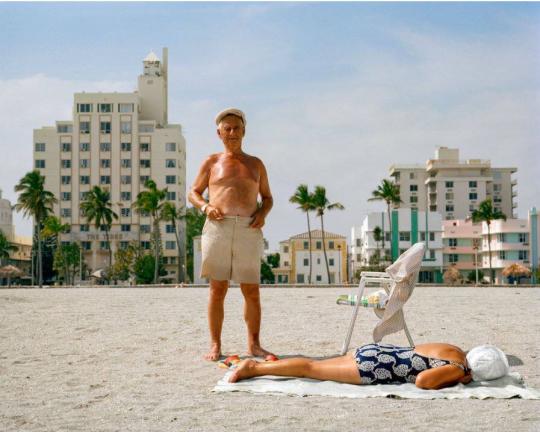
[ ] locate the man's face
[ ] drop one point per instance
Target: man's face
(231, 131)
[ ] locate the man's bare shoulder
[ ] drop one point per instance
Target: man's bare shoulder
(254, 159)
(211, 160)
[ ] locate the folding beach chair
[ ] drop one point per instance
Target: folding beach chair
(398, 280)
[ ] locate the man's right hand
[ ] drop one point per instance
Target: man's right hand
(213, 213)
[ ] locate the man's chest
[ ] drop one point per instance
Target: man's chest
(234, 170)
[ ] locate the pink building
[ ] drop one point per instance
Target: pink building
(462, 246)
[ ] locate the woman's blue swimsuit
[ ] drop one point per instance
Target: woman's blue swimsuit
(390, 364)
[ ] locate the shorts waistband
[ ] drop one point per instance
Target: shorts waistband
(239, 218)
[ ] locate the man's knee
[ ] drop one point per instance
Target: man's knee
(218, 289)
(250, 291)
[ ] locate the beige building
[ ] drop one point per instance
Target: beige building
(116, 141)
(294, 259)
(454, 187)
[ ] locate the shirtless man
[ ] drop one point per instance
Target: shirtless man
(232, 241)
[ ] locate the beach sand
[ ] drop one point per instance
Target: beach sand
(101, 359)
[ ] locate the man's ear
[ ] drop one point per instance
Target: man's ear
(218, 132)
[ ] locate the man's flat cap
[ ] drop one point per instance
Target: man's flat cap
(231, 111)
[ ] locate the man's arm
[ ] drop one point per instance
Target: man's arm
(199, 186)
(266, 198)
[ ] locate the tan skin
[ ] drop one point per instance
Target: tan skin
(234, 181)
(344, 369)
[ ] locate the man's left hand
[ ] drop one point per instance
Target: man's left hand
(258, 220)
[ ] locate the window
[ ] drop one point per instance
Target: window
(105, 127)
(285, 249)
(496, 187)
(318, 245)
(40, 163)
(145, 244)
(105, 163)
(105, 180)
(125, 212)
(144, 179)
(146, 128)
(64, 128)
(431, 236)
(522, 238)
(65, 163)
(523, 255)
(104, 108)
(84, 127)
(65, 212)
(123, 245)
(86, 245)
(170, 147)
(169, 229)
(65, 180)
(422, 236)
(413, 188)
(172, 260)
(306, 245)
(66, 147)
(501, 237)
(473, 184)
(170, 179)
(145, 147)
(170, 163)
(331, 262)
(125, 146)
(84, 228)
(105, 146)
(65, 196)
(125, 127)
(104, 245)
(431, 254)
(125, 227)
(449, 196)
(299, 278)
(170, 244)
(145, 163)
(125, 179)
(84, 147)
(40, 147)
(413, 199)
(85, 180)
(83, 196)
(452, 242)
(412, 176)
(358, 242)
(473, 196)
(144, 229)
(453, 258)
(404, 236)
(318, 278)
(84, 163)
(171, 196)
(84, 108)
(306, 261)
(497, 200)
(449, 207)
(125, 196)
(125, 107)
(318, 260)
(502, 255)
(449, 184)
(125, 163)
(331, 244)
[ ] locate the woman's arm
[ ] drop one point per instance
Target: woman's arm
(439, 377)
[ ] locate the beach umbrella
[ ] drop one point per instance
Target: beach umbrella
(10, 271)
(516, 270)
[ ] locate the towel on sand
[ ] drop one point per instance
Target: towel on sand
(510, 386)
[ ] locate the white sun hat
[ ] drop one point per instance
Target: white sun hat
(487, 362)
(231, 111)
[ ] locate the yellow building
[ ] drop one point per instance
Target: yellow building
(294, 259)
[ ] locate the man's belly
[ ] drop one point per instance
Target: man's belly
(234, 200)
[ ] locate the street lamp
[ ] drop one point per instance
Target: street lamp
(339, 264)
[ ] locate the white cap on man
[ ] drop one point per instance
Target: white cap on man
(231, 111)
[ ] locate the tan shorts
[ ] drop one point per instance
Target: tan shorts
(231, 250)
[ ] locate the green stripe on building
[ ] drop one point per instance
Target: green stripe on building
(395, 235)
(414, 226)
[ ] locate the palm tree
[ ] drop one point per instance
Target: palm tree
(171, 213)
(377, 236)
(304, 199)
(321, 204)
(52, 228)
(151, 201)
(97, 208)
(487, 213)
(5, 247)
(34, 201)
(389, 193)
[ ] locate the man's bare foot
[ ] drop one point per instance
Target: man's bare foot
(244, 370)
(258, 351)
(214, 353)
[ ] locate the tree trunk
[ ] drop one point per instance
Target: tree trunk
(40, 257)
(324, 250)
(180, 273)
(310, 254)
(489, 251)
(156, 249)
(109, 270)
(390, 229)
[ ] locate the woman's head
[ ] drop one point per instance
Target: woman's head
(487, 362)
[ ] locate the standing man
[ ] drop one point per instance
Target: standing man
(232, 239)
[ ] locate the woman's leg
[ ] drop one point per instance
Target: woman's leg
(340, 369)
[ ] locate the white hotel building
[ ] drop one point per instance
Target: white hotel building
(116, 141)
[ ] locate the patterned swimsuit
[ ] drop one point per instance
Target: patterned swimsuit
(390, 364)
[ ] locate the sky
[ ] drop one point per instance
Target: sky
(334, 93)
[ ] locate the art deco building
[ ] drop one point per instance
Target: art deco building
(116, 141)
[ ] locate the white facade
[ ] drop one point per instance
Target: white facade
(116, 141)
(453, 187)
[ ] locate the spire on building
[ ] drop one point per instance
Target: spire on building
(151, 58)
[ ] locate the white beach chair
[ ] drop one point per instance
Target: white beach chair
(398, 280)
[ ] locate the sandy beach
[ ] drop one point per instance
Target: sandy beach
(102, 359)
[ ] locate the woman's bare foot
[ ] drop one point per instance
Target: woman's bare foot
(258, 351)
(244, 370)
(214, 353)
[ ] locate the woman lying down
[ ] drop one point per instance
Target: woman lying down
(430, 366)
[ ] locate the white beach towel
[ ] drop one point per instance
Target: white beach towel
(510, 386)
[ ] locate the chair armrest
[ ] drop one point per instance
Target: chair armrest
(375, 274)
